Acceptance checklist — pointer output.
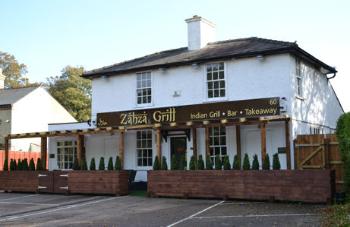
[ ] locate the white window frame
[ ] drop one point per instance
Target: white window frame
(213, 99)
(64, 147)
(299, 79)
(144, 148)
(147, 87)
(220, 146)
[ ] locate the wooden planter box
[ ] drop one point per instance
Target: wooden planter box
(314, 186)
(19, 181)
(98, 182)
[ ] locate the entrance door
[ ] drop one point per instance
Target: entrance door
(178, 147)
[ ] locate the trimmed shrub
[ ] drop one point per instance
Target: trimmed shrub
(92, 164)
(183, 162)
(246, 163)
(39, 165)
(6, 165)
(15, 164)
(19, 165)
(226, 163)
(156, 164)
(83, 164)
(255, 164)
(193, 163)
(76, 164)
(266, 163)
(218, 163)
(31, 165)
(208, 163)
(200, 163)
(164, 163)
(118, 164)
(236, 163)
(343, 137)
(101, 165)
(276, 162)
(110, 164)
(25, 165)
(174, 163)
(12, 165)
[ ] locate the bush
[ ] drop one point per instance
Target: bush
(174, 163)
(266, 163)
(164, 163)
(208, 163)
(101, 165)
(39, 165)
(255, 164)
(19, 165)
(110, 164)
(15, 164)
(218, 162)
(200, 163)
(246, 163)
(276, 162)
(31, 165)
(83, 164)
(236, 163)
(156, 164)
(25, 165)
(92, 164)
(12, 165)
(226, 163)
(6, 165)
(193, 163)
(118, 164)
(76, 164)
(183, 162)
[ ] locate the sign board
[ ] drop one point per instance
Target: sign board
(200, 112)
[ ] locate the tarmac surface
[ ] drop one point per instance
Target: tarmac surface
(77, 210)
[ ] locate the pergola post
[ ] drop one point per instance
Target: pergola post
(158, 144)
(194, 142)
(80, 148)
(207, 142)
(287, 137)
(121, 146)
(263, 140)
(238, 142)
(7, 141)
(43, 151)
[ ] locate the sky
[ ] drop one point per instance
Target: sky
(49, 35)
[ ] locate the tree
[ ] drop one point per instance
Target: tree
(255, 164)
(25, 165)
(200, 163)
(156, 164)
(72, 91)
(31, 165)
(110, 164)
(118, 164)
(92, 164)
(19, 164)
(226, 163)
(6, 165)
(276, 162)
(266, 162)
(193, 163)
(246, 163)
(101, 165)
(236, 163)
(208, 163)
(164, 164)
(12, 165)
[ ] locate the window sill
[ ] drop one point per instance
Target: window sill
(143, 106)
(210, 100)
(300, 98)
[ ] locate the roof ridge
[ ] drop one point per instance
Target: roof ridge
(19, 88)
(252, 38)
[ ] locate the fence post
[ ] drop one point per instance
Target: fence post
(326, 152)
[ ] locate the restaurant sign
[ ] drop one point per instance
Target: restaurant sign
(200, 112)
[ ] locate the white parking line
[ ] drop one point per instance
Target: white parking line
(26, 203)
(18, 197)
(255, 216)
(195, 214)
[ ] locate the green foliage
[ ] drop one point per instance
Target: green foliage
(118, 164)
(72, 91)
(92, 164)
(19, 165)
(174, 163)
(110, 164)
(83, 164)
(15, 164)
(39, 165)
(6, 165)
(12, 165)
(255, 164)
(31, 165)
(276, 162)
(25, 165)
(343, 137)
(336, 215)
(226, 163)
(101, 165)
(183, 162)
(164, 164)
(193, 163)
(246, 162)
(236, 163)
(208, 163)
(156, 164)
(218, 163)
(76, 165)
(200, 163)
(266, 162)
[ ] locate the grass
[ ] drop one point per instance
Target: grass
(336, 215)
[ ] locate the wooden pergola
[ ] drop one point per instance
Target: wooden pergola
(159, 128)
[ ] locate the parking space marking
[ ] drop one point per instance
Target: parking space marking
(27, 203)
(195, 214)
(18, 197)
(254, 216)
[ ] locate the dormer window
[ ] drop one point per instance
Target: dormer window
(216, 80)
(144, 88)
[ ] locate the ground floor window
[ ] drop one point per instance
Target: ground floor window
(66, 153)
(217, 142)
(144, 148)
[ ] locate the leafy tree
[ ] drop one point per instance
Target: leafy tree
(343, 137)
(25, 165)
(276, 162)
(226, 163)
(19, 164)
(246, 163)
(156, 164)
(255, 164)
(118, 164)
(174, 163)
(92, 164)
(208, 163)
(200, 163)
(266, 163)
(193, 163)
(31, 165)
(72, 91)
(12, 165)
(76, 165)
(39, 165)
(83, 164)
(6, 165)
(164, 164)
(101, 165)
(110, 164)
(236, 163)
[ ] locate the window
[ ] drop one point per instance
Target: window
(217, 142)
(299, 78)
(144, 90)
(144, 148)
(66, 153)
(216, 80)
(316, 130)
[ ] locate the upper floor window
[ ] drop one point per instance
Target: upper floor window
(216, 80)
(144, 88)
(299, 78)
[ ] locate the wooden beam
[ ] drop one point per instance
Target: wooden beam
(159, 143)
(80, 148)
(194, 142)
(238, 142)
(43, 149)
(121, 146)
(263, 140)
(207, 142)
(7, 147)
(287, 137)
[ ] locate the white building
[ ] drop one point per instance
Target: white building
(206, 76)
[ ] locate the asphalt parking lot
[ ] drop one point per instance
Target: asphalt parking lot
(78, 210)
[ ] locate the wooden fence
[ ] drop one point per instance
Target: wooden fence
(18, 155)
(319, 152)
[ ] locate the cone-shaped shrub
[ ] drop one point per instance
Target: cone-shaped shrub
(31, 165)
(226, 163)
(6, 165)
(266, 163)
(19, 164)
(200, 163)
(183, 162)
(156, 164)
(12, 165)
(110, 164)
(76, 164)
(39, 165)
(25, 165)
(118, 164)
(193, 163)
(255, 164)
(208, 163)
(92, 164)
(164, 164)
(174, 163)
(218, 163)
(101, 165)
(236, 163)
(246, 163)
(15, 164)
(276, 162)
(83, 164)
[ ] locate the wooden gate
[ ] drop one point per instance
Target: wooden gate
(319, 152)
(53, 182)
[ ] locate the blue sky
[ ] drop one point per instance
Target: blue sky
(48, 35)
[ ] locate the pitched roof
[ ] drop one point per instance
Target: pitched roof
(10, 96)
(235, 48)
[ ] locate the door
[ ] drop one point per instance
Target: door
(178, 147)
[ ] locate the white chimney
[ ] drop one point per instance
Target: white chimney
(200, 32)
(2, 79)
